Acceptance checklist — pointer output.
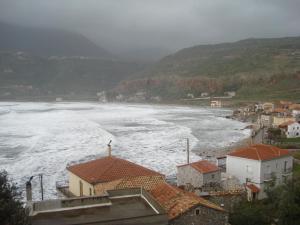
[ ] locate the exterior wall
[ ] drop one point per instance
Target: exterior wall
(74, 185)
(276, 167)
(101, 188)
(262, 171)
(293, 130)
(188, 175)
(214, 177)
(243, 168)
(279, 120)
(268, 107)
(295, 112)
(266, 120)
(206, 216)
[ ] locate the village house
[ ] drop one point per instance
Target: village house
(198, 174)
(293, 130)
(280, 120)
(230, 93)
(266, 120)
(215, 103)
(104, 173)
(187, 208)
(268, 107)
(285, 104)
(284, 127)
(257, 165)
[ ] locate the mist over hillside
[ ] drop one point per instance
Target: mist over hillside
(48, 42)
(253, 68)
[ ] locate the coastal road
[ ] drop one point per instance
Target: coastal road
(258, 137)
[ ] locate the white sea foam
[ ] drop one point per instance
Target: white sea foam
(46, 137)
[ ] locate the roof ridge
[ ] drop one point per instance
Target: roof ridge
(258, 156)
(273, 150)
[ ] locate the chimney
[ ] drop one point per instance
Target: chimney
(28, 191)
(188, 150)
(109, 148)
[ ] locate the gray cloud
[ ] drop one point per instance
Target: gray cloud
(121, 25)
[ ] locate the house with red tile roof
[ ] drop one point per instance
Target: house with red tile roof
(198, 174)
(107, 172)
(257, 165)
(187, 208)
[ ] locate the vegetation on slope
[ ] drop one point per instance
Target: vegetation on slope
(254, 68)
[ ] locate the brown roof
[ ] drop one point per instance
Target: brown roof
(109, 169)
(203, 166)
(260, 152)
(295, 106)
(287, 123)
(176, 201)
(253, 188)
(279, 110)
(146, 182)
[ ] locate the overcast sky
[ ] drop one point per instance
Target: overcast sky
(169, 24)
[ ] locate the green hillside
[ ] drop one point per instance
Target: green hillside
(255, 68)
(25, 75)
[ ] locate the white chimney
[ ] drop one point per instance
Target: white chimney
(109, 148)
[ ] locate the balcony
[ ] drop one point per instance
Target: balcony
(287, 171)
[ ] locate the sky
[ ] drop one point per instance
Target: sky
(162, 25)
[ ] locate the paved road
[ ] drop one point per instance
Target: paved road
(258, 138)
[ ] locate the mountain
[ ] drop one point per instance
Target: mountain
(48, 42)
(26, 75)
(254, 68)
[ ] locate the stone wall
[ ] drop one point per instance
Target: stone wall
(201, 215)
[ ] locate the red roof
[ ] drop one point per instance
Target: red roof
(253, 188)
(176, 201)
(109, 169)
(203, 166)
(287, 123)
(260, 152)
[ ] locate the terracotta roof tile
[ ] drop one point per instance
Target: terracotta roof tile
(260, 152)
(146, 182)
(203, 166)
(287, 123)
(176, 201)
(253, 188)
(108, 169)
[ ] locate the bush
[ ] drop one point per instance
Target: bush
(12, 211)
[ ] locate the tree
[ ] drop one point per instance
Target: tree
(12, 211)
(281, 207)
(248, 213)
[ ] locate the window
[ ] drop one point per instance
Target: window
(212, 176)
(249, 169)
(90, 191)
(197, 211)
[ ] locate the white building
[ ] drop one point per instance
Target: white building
(198, 174)
(293, 130)
(258, 165)
(216, 103)
(230, 93)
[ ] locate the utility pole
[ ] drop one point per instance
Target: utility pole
(41, 183)
(188, 150)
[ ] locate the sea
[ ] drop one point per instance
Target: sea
(44, 138)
